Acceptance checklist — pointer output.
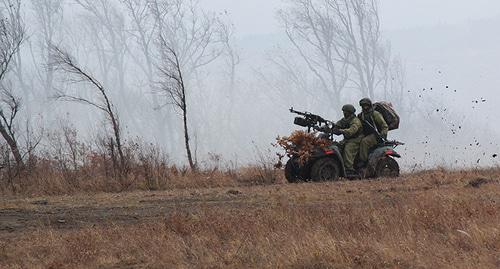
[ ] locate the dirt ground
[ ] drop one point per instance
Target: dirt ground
(453, 206)
(73, 212)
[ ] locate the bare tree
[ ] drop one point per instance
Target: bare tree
(175, 88)
(64, 62)
(143, 29)
(106, 26)
(12, 35)
(340, 41)
(188, 40)
(310, 28)
(49, 15)
(357, 31)
(9, 108)
(13, 9)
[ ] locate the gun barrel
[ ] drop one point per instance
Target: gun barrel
(298, 112)
(312, 119)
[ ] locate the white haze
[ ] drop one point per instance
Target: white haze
(449, 46)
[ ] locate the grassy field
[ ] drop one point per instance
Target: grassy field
(433, 219)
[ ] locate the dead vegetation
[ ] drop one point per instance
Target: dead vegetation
(427, 220)
(145, 173)
(302, 144)
(66, 165)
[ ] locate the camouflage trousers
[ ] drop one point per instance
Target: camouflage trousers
(366, 144)
(351, 149)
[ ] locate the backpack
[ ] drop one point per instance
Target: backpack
(390, 115)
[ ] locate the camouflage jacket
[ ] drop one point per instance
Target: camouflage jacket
(350, 127)
(373, 119)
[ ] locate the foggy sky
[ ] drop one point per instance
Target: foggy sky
(258, 16)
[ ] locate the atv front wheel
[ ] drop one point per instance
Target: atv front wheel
(387, 167)
(325, 169)
(292, 171)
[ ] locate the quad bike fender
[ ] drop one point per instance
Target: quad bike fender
(377, 155)
(331, 152)
(382, 152)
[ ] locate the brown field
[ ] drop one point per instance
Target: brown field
(434, 219)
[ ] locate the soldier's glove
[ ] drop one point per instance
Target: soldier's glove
(337, 131)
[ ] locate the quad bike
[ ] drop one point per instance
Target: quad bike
(328, 164)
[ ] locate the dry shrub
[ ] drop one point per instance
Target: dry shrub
(47, 179)
(67, 166)
(302, 144)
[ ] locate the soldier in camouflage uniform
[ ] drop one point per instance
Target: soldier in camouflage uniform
(370, 119)
(350, 126)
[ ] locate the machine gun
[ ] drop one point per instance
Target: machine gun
(309, 120)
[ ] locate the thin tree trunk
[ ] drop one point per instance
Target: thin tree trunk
(116, 131)
(13, 147)
(186, 138)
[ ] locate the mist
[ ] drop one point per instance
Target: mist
(445, 82)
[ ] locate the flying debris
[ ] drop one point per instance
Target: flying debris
(481, 100)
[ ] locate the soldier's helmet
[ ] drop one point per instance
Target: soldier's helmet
(365, 102)
(349, 108)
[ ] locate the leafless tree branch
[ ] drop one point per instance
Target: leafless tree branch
(64, 62)
(12, 35)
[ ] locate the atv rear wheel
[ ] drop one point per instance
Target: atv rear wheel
(387, 167)
(293, 172)
(325, 169)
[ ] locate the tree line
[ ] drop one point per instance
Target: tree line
(120, 57)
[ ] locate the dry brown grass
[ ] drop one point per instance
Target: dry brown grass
(66, 165)
(435, 219)
(48, 178)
